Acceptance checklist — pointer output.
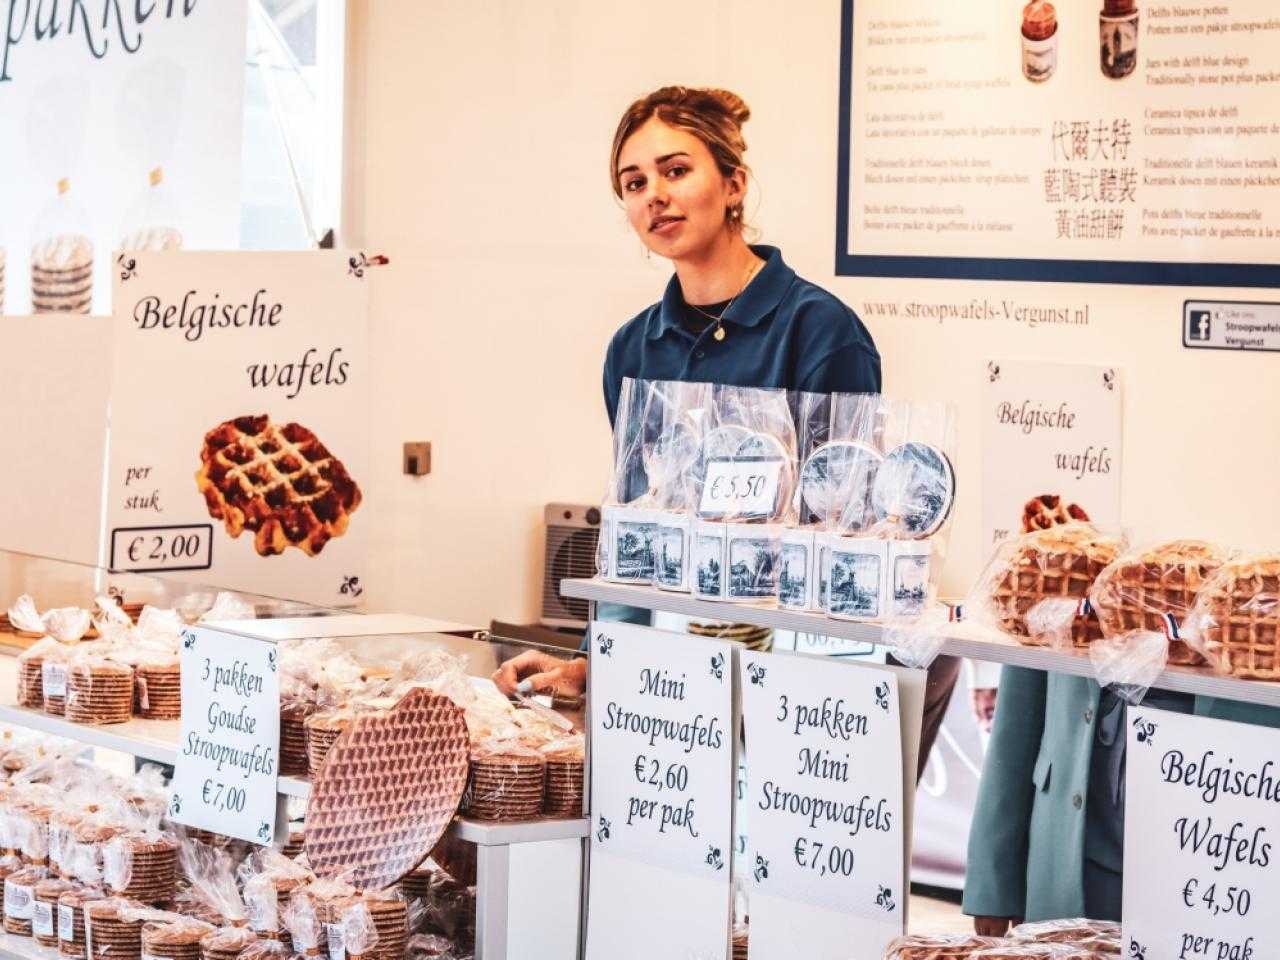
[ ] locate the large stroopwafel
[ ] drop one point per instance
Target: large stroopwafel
(280, 483)
(227, 943)
(30, 682)
(19, 900)
(1057, 565)
(389, 787)
(293, 737)
(507, 783)
(323, 729)
(939, 947)
(143, 869)
(1237, 618)
(44, 918)
(110, 937)
(70, 920)
(99, 692)
(158, 690)
(1138, 592)
(564, 784)
(456, 858)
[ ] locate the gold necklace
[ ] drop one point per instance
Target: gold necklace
(719, 333)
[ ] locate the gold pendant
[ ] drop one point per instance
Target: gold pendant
(719, 334)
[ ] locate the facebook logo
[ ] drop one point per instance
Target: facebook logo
(1199, 325)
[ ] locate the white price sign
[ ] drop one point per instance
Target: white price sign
(225, 776)
(742, 488)
(662, 781)
(825, 788)
(1200, 880)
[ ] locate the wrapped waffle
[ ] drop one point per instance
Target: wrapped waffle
(1034, 951)
(1101, 936)
(110, 932)
(389, 787)
(226, 943)
(507, 782)
(564, 783)
(175, 940)
(19, 899)
(390, 916)
(158, 688)
(142, 867)
(1235, 622)
(99, 691)
(1153, 590)
(943, 947)
(322, 729)
(1036, 588)
(71, 920)
(44, 911)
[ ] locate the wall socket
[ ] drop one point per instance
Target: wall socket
(417, 459)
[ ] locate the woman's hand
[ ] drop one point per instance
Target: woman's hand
(984, 707)
(994, 926)
(544, 673)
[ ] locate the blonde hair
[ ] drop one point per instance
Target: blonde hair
(713, 116)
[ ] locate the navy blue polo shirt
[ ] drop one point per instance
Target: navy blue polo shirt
(781, 332)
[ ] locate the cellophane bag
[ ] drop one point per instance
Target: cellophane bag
(1035, 588)
(629, 521)
(304, 924)
(672, 462)
(1235, 621)
(359, 933)
(211, 879)
(798, 560)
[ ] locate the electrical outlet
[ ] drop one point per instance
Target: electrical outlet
(417, 459)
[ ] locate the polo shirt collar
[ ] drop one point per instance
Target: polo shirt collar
(762, 296)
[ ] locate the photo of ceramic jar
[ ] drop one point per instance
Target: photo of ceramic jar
(1039, 40)
(1118, 27)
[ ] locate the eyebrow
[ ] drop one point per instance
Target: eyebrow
(658, 162)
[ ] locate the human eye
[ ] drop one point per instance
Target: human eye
(676, 170)
(632, 184)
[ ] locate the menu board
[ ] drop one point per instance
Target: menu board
(662, 787)
(1115, 141)
(238, 451)
(1199, 879)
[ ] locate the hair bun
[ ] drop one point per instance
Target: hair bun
(730, 103)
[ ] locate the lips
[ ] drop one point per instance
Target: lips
(660, 223)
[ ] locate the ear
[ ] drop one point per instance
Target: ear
(736, 185)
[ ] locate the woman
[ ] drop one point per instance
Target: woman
(732, 313)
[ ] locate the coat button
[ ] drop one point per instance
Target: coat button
(1088, 715)
(700, 354)
(1077, 801)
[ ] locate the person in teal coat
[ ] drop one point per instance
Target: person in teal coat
(1047, 838)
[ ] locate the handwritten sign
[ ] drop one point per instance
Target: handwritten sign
(744, 488)
(825, 788)
(228, 754)
(1200, 878)
(662, 785)
(260, 477)
(1051, 439)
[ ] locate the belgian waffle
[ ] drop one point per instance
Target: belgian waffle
(389, 787)
(943, 947)
(1058, 564)
(280, 483)
(1237, 614)
(1136, 593)
(1048, 510)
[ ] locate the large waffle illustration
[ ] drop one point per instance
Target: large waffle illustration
(280, 483)
(389, 787)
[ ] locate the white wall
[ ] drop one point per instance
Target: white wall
(478, 163)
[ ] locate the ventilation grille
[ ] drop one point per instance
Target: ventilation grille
(571, 554)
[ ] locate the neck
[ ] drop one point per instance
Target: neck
(717, 272)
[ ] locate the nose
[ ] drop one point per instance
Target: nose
(657, 193)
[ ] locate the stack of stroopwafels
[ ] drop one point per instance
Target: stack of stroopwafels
(109, 936)
(939, 947)
(416, 883)
(62, 831)
(294, 845)
(174, 941)
(158, 690)
(1152, 591)
(44, 917)
(99, 691)
(53, 685)
(322, 730)
(70, 920)
(227, 943)
(1237, 618)
(208, 837)
(30, 682)
(19, 900)
(390, 919)
(1037, 588)
(293, 737)
(146, 868)
(739, 942)
(507, 783)
(564, 790)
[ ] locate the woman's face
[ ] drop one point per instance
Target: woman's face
(675, 195)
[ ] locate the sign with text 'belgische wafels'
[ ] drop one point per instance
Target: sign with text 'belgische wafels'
(238, 451)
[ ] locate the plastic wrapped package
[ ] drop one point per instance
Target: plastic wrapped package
(798, 557)
(113, 931)
(20, 898)
(211, 876)
(1035, 588)
(1101, 935)
(266, 950)
(671, 466)
(1011, 950)
(68, 625)
(451, 909)
(31, 672)
(506, 782)
(99, 689)
(142, 865)
(959, 946)
(109, 617)
(1235, 621)
(429, 946)
(565, 777)
(54, 655)
(628, 520)
(390, 913)
(228, 606)
(304, 924)
(25, 619)
(356, 930)
(174, 939)
(226, 943)
(70, 919)
(44, 909)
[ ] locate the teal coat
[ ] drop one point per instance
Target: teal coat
(1026, 842)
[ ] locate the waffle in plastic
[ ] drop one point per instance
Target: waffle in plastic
(391, 920)
(1081, 932)
(1237, 614)
(227, 943)
(158, 691)
(1058, 564)
(30, 682)
(323, 730)
(739, 942)
(507, 783)
(294, 845)
(173, 941)
(70, 919)
(1034, 951)
(111, 937)
(416, 883)
(564, 785)
(44, 918)
(293, 737)
(280, 483)
(19, 900)
(152, 875)
(1137, 591)
(389, 787)
(99, 693)
(938, 947)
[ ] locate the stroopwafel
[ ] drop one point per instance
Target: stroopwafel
(507, 783)
(30, 682)
(322, 730)
(293, 737)
(44, 913)
(70, 919)
(19, 900)
(226, 943)
(564, 785)
(99, 692)
(158, 691)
